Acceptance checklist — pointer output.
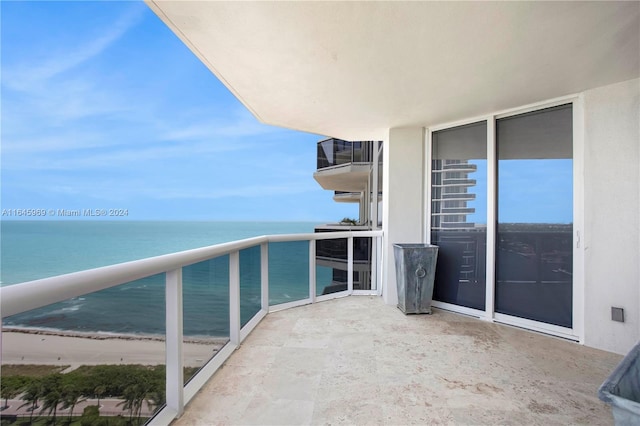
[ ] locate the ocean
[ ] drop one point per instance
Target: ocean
(38, 249)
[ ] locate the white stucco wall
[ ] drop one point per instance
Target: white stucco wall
(612, 215)
(611, 210)
(403, 198)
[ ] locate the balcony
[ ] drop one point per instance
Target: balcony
(348, 359)
(180, 296)
(344, 166)
(351, 197)
(355, 360)
(458, 167)
(335, 152)
(454, 182)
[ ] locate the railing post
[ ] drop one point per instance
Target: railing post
(174, 320)
(312, 271)
(264, 275)
(350, 265)
(380, 260)
(1, 328)
(234, 297)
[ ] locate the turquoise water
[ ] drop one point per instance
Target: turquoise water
(39, 249)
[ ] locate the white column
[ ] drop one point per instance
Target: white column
(350, 265)
(403, 189)
(173, 351)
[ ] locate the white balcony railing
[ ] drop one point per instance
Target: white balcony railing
(20, 298)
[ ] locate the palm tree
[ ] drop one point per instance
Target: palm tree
(10, 387)
(156, 399)
(99, 391)
(51, 394)
(130, 396)
(32, 393)
(134, 396)
(50, 402)
(71, 397)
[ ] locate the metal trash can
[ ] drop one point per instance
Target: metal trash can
(415, 272)
(621, 390)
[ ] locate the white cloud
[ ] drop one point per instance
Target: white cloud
(78, 127)
(30, 76)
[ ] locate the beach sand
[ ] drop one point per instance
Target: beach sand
(75, 349)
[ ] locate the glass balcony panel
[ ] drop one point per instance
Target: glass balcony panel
(332, 250)
(334, 152)
(325, 283)
(250, 284)
(205, 311)
(359, 154)
(288, 272)
(90, 358)
(331, 255)
(343, 152)
(362, 263)
(325, 154)
(380, 180)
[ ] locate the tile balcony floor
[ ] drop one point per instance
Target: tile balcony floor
(356, 360)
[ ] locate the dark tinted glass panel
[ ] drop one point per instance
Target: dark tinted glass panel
(250, 284)
(331, 266)
(458, 214)
(534, 250)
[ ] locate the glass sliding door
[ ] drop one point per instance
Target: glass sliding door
(534, 250)
(458, 213)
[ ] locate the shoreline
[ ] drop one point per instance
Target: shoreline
(53, 347)
(108, 335)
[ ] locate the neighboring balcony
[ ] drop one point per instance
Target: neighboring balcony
(458, 167)
(344, 166)
(347, 197)
(454, 182)
(459, 196)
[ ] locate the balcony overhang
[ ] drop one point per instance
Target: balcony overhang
(355, 69)
(352, 177)
(347, 197)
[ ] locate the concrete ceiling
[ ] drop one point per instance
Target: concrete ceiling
(353, 70)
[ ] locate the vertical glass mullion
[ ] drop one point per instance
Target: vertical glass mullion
(492, 205)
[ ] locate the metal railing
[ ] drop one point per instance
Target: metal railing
(20, 298)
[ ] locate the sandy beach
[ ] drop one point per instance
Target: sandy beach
(34, 346)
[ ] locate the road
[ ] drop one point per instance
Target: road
(108, 407)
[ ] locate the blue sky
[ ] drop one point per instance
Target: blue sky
(103, 107)
(529, 191)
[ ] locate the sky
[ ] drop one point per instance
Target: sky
(104, 108)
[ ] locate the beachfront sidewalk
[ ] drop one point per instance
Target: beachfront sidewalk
(357, 361)
(108, 407)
